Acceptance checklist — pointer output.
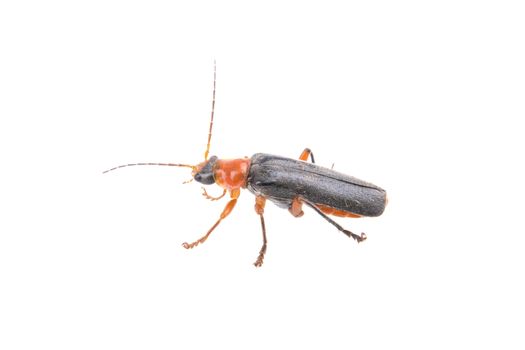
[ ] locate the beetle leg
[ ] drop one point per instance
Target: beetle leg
(260, 201)
(358, 238)
(211, 198)
(304, 156)
(226, 211)
(296, 208)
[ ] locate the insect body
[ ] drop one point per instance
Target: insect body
(289, 183)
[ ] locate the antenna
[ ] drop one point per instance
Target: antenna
(212, 110)
(193, 167)
(159, 164)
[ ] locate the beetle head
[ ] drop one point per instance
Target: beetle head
(203, 172)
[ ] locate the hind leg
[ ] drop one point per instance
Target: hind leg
(358, 238)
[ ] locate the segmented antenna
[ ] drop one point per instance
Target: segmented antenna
(193, 167)
(212, 110)
(159, 164)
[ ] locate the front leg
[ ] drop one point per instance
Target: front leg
(211, 198)
(234, 194)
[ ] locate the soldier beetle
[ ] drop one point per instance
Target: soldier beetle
(288, 183)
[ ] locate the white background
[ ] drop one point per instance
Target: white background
(423, 99)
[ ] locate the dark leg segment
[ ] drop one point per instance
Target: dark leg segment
(259, 209)
(358, 238)
(304, 156)
(260, 258)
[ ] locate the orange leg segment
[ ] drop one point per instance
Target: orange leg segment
(307, 153)
(336, 212)
(296, 208)
(260, 202)
(211, 198)
(226, 211)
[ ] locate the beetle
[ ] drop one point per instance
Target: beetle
(288, 183)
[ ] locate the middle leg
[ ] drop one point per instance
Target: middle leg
(260, 202)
